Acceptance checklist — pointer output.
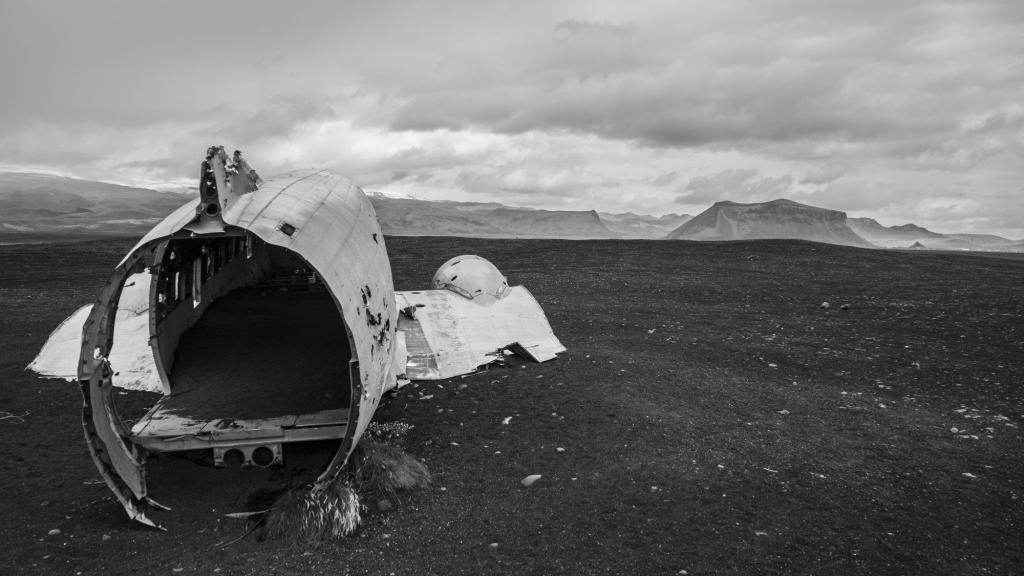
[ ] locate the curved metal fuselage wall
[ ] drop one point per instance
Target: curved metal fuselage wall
(330, 222)
(323, 218)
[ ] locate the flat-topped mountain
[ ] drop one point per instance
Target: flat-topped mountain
(775, 219)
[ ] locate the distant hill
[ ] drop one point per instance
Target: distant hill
(775, 219)
(44, 208)
(911, 235)
(642, 226)
(404, 216)
(43, 205)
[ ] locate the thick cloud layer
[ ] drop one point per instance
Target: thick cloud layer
(906, 111)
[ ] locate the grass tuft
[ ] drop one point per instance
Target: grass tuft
(375, 469)
(326, 514)
(383, 470)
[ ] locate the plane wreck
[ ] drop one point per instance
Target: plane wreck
(268, 316)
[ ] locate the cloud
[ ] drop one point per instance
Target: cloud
(275, 118)
(575, 27)
(665, 179)
(822, 174)
(743, 186)
(873, 105)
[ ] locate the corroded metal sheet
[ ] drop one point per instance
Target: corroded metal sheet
(447, 334)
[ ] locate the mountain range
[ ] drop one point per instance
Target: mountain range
(908, 235)
(44, 206)
(40, 204)
(406, 216)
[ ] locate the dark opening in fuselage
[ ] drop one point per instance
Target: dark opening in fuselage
(259, 353)
(251, 348)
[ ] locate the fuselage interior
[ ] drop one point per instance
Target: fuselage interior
(251, 349)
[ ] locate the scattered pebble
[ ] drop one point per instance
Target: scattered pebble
(54, 532)
(560, 449)
(494, 544)
(106, 538)
(506, 420)
(969, 475)
(529, 480)
(784, 412)
(825, 305)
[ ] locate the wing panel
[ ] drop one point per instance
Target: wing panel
(451, 335)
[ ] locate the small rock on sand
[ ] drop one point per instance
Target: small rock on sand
(529, 480)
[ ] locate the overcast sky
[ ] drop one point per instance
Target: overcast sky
(903, 110)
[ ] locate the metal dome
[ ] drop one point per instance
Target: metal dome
(472, 277)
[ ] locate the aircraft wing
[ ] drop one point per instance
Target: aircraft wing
(446, 334)
(131, 356)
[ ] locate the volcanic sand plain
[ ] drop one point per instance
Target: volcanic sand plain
(710, 416)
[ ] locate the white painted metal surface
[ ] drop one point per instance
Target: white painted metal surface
(131, 356)
(449, 334)
(472, 277)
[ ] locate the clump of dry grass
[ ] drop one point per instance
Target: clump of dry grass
(375, 469)
(383, 470)
(329, 513)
